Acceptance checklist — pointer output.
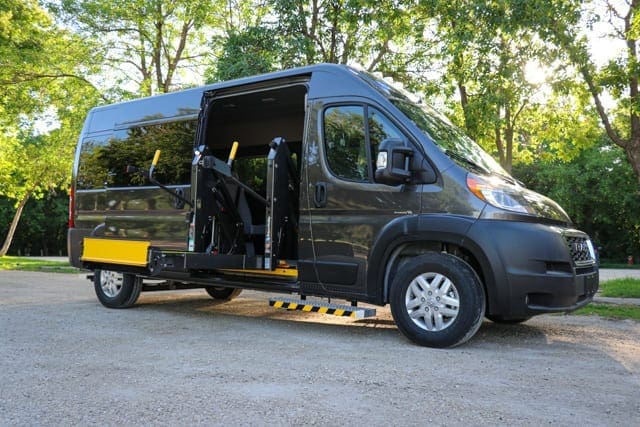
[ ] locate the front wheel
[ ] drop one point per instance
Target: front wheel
(115, 289)
(437, 300)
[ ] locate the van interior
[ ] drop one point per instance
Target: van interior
(255, 119)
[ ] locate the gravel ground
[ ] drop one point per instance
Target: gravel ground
(180, 358)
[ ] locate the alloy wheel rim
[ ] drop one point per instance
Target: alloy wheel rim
(432, 302)
(111, 282)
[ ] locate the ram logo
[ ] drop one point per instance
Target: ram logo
(580, 247)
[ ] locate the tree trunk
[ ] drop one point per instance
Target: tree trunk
(508, 136)
(464, 103)
(632, 150)
(498, 137)
(14, 225)
(499, 144)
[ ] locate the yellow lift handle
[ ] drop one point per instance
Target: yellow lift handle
(232, 155)
(154, 162)
(156, 157)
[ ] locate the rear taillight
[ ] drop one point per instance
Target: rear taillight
(72, 208)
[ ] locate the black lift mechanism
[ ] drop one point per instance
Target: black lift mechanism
(222, 233)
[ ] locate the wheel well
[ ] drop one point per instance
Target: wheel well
(404, 252)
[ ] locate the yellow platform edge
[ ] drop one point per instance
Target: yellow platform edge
(112, 251)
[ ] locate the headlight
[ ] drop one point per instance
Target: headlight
(592, 251)
(515, 198)
(498, 193)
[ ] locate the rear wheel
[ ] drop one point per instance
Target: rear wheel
(437, 300)
(115, 289)
(222, 293)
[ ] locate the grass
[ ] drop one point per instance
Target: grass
(611, 311)
(621, 288)
(35, 264)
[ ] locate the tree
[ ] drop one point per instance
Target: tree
(365, 32)
(485, 52)
(619, 77)
(43, 224)
(41, 73)
(297, 32)
(34, 166)
(246, 52)
(156, 39)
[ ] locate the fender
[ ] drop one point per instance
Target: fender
(444, 228)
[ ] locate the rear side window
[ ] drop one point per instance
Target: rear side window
(103, 161)
(351, 143)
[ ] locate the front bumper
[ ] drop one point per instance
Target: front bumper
(553, 294)
(532, 268)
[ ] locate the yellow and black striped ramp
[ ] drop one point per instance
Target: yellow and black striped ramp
(322, 307)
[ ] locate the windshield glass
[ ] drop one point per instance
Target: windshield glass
(452, 140)
(448, 137)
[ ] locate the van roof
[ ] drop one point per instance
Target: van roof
(329, 80)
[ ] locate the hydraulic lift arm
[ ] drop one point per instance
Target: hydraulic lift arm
(156, 157)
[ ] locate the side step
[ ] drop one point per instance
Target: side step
(322, 307)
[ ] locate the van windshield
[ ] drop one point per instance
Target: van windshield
(452, 140)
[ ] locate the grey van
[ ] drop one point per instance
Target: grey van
(320, 181)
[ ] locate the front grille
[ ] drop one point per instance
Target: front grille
(579, 249)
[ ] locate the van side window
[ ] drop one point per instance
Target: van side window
(345, 145)
(380, 128)
(345, 139)
(104, 162)
(92, 172)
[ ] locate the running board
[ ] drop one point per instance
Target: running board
(322, 307)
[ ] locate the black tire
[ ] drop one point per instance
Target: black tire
(507, 320)
(222, 293)
(423, 298)
(116, 290)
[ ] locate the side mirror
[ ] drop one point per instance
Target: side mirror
(392, 164)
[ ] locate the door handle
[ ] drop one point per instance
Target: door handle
(320, 195)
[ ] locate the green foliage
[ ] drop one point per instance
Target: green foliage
(561, 129)
(487, 50)
(43, 227)
(621, 288)
(611, 311)
(599, 192)
(365, 32)
(246, 53)
(153, 40)
(38, 64)
(321, 31)
(620, 78)
(44, 100)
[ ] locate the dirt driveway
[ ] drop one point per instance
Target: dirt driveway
(178, 358)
